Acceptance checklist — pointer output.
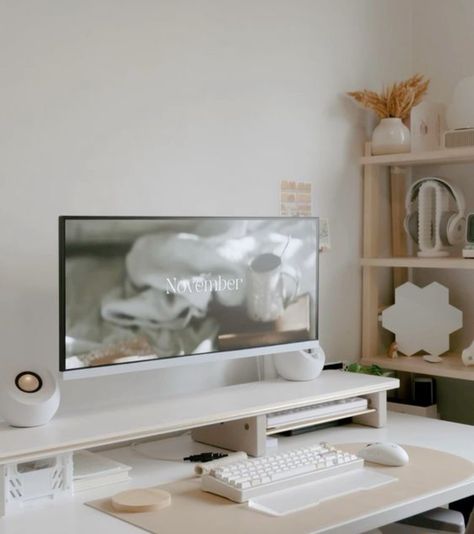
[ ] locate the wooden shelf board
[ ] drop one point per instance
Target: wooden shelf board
(416, 262)
(451, 367)
(444, 155)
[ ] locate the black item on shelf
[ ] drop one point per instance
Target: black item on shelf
(424, 391)
(205, 457)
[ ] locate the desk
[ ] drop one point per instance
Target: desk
(71, 516)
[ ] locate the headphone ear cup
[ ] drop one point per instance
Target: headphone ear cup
(455, 229)
(411, 226)
(447, 219)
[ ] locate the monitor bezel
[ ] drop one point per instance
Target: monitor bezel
(170, 361)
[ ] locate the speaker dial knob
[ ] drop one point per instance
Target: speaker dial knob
(28, 382)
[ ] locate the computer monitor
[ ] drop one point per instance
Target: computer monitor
(140, 293)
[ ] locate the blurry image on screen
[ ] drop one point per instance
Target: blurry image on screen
(139, 289)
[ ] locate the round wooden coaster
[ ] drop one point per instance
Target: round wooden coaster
(141, 500)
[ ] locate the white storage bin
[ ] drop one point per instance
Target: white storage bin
(36, 479)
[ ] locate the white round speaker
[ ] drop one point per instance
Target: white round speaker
(300, 365)
(29, 397)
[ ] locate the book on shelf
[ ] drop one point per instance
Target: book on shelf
(92, 470)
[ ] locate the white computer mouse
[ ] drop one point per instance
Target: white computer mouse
(384, 453)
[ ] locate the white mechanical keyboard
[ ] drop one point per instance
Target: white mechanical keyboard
(244, 480)
(325, 409)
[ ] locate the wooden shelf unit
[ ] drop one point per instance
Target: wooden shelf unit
(419, 263)
(399, 261)
(432, 157)
(450, 367)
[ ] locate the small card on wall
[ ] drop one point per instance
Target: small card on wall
(324, 241)
(295, 198)
(296, 201)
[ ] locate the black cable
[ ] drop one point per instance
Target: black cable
(205, 457)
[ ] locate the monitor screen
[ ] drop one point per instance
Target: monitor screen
(135, 289)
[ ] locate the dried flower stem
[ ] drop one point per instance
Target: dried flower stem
(396, 100)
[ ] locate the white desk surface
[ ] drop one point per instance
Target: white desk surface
(71, 516)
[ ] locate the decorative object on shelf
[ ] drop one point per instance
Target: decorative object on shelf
(468, 250)
(427, 126)
(392, 351)
(365, 369)
(468, 355)
(430, 358)
(393, 105)
(460, 112)
(460, 116)
(28, 397)
(391, 136)
(300, 365)
(430, 218)
(422, 318)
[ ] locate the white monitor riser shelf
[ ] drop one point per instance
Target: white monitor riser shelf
(232, 417)
(115, 424)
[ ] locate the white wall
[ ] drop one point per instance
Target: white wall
(443, 44)
(186, 108)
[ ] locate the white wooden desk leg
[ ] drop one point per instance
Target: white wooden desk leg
(378, 401)
(247, 435)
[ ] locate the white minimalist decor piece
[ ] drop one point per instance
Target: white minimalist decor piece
(393, 105)
(391, 136)
(460, 113)
(300, 365)
(468, 355)
(427, 126)
(422, 318)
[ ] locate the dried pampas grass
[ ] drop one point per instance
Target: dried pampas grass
(396, 100)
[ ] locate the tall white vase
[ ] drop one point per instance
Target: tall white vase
(391, 136)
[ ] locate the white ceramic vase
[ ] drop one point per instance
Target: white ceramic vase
(391, 136)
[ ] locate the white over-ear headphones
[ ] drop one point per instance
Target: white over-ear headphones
(451, 224)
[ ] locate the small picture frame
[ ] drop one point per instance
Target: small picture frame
(427, 126)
